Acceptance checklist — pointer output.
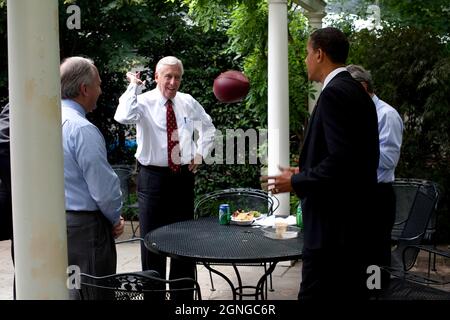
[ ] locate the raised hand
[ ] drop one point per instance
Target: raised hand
(135, 78)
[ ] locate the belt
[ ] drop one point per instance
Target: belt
(159, 169)
(84, 212)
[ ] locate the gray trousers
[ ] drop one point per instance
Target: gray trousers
(90, 246)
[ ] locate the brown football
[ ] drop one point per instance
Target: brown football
(231, 86)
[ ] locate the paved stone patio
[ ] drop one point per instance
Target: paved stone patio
(286, 276)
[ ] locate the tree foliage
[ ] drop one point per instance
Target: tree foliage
(246, 24)
(119, 35)
(408, 57)
(423, 15)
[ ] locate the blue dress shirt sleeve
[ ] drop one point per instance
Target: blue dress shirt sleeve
(101, 180)
(390, 129)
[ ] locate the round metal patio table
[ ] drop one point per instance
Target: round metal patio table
(206, 241)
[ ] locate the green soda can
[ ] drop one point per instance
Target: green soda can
(224, 214)
(299, 216)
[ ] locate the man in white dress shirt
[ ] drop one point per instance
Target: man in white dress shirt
(167, 154)
(390, 129)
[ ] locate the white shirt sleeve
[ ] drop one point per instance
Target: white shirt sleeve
(128, 111)
(205, 129)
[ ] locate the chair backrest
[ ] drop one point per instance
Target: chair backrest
(422, 209)
(405, 193)
(237, 198)
(134, 286)
(124, 173)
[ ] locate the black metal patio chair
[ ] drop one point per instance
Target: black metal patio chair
(237, 198)
(436, 252)
(135, 286)
(417, 201)
(424, 198)
(405, 192)
(404, 289)
(130, 207)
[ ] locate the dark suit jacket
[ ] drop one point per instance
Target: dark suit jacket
(338, 166)
(5, 177)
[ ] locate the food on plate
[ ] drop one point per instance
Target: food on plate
(241, 215)
(255, 213)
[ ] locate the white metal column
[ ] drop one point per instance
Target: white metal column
(40, 238)
(278, 95)
(315, 21)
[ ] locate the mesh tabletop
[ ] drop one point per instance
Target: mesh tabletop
(206, 240)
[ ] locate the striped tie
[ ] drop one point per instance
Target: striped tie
(172, 139)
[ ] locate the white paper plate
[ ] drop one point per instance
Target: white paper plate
(242, 222)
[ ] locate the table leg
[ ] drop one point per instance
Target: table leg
(238, 276)
(259, 288)
(263, 280)
(233, 289)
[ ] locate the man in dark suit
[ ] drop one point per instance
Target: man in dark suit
(336, 177)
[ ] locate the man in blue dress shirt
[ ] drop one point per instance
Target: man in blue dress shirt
(92, 189)
(390, 129)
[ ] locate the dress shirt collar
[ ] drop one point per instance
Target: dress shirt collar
(163, 100)
(375, 99)
(73, 105)
(331, 75)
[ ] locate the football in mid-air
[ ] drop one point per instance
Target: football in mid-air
(231, 86)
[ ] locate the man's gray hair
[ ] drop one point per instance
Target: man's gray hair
(74, 72)
(169, 61)
(362, 75)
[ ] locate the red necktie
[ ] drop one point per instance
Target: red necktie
(172, 139)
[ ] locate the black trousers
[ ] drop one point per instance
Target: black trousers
(340, 272)
(336, 273)
(165, 197)
(384, 221)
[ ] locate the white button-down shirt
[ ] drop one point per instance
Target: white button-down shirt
(148, 112)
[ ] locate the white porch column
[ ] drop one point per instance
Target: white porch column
(40, 239)
(278, 95)
(315, 22)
